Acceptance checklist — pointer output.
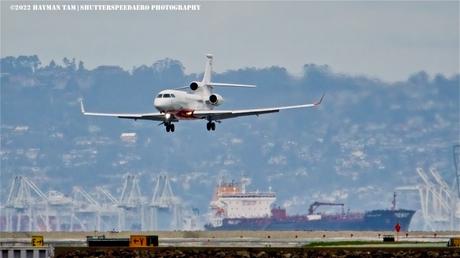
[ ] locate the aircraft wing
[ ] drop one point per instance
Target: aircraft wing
(226, 114)
(141, 116)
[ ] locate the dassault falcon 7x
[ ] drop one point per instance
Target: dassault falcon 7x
(199, 103)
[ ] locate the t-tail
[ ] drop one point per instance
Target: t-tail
(207, 77)
(206, 85)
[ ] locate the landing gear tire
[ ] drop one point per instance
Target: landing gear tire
(170, 128)
(211, 126)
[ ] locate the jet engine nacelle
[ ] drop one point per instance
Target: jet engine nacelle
(216, 99)
(195, 85)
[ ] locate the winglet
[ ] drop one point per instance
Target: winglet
(320, 100)
(82, 107)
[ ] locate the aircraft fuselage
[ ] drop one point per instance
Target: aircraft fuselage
(181, 104)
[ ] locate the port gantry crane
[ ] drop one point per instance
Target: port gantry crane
(456, 152)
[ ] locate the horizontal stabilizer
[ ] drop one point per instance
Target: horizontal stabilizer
(218, 84)
(182, 88)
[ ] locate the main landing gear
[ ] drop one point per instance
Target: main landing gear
(169, 127)
(211, 126)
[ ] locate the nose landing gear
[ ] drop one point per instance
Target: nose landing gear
(211, 126)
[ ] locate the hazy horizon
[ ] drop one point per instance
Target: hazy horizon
(386, 40)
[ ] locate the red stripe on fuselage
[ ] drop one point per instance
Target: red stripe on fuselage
(183, 114)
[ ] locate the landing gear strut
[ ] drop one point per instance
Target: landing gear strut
(211, 126)
(169, 127)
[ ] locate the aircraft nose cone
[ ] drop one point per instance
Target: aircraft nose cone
(157, 103)
(160, 104)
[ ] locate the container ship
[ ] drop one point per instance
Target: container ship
(232, 208)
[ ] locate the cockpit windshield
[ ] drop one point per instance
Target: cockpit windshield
(166, 95)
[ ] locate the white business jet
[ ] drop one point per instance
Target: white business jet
(199, 103)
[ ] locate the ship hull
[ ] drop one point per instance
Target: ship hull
(376, 220)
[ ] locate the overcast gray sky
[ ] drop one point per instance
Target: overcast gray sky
(388, 40)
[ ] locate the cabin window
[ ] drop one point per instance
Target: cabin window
(166, 95)
(160, 96)
(172, 95)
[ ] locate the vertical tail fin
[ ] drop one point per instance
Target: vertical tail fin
(208, 70)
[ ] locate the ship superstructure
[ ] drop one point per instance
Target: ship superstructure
(231, 201)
